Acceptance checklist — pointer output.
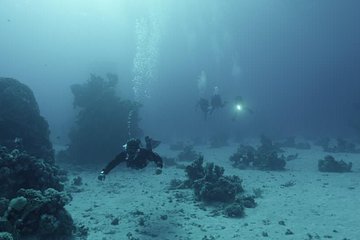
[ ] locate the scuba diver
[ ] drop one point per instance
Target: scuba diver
(135, 157)
(216, 101)
(204, 106)
(240, 107)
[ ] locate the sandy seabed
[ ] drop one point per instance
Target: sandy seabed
(316, 206)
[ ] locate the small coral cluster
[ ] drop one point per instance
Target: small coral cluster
(340, 146)
(265, 157)
(211, 186)
(329, 164)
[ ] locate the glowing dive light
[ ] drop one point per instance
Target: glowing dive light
(239, 107)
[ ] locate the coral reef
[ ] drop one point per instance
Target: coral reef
(214, 187)
(329, 164)
(104, 121)
(18, 170)
(31, 197)
(188, 154)
(269, 161)
(235, 210)
(3, 205)
(5, 236)
(21, 124)
(211, 186)
(265, 157)
(244, 156)
(267, 145)
(38, 213)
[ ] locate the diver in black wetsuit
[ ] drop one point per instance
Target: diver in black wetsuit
(135, 157)
(216, 101)
(204, 106)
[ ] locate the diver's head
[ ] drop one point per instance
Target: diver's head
(216, 90)
(132, 146)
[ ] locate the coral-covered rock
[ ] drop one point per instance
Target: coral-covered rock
(42, 214)
(195, 170)
(269, 161)
(4, 202)
(17, 203)
(265, 157)
(20, 170)
(6, 236)
(329, 164)
(235, 210)
(104, 121)
(244, 156)
(211, 186)
(21, 125)
(214, 187)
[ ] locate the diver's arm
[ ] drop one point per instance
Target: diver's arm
(116, 161)
(157, 160)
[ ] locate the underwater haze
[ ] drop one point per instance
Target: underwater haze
(250, 112)
(296, 63)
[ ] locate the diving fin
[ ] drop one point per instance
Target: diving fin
(151, 143)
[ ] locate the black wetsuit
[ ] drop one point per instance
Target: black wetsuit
(204, 106)
(216, 102)
(141, 160)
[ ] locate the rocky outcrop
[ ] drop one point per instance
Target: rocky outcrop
(21, 125)
(104, 122)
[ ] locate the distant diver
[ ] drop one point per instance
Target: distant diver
(136, 157)
(203, 103)
(216, 101)
(239, 107)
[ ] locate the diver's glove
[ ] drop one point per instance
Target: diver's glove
(101, 176)
(158, 171)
